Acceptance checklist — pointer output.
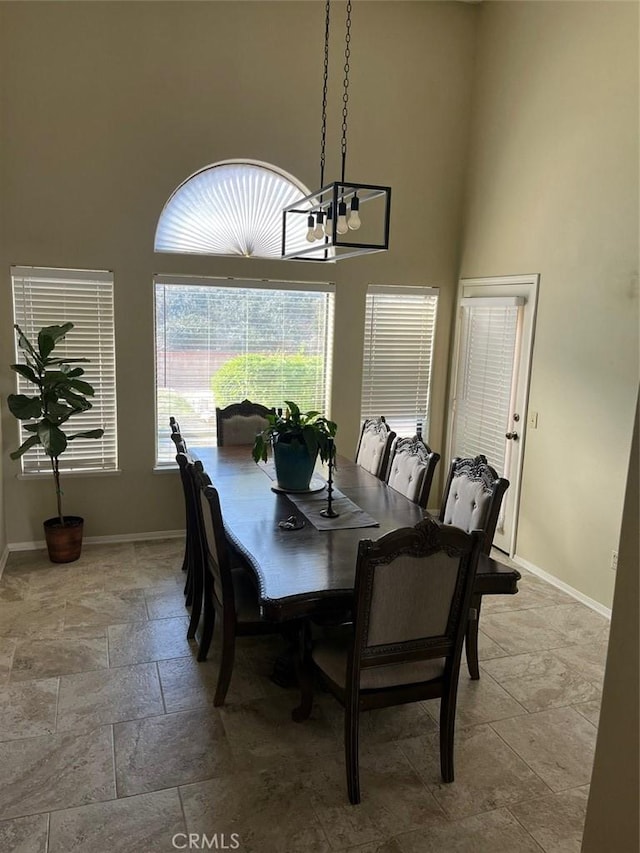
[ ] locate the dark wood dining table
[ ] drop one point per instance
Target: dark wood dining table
(308, 572)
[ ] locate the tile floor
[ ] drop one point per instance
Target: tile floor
(109, 741)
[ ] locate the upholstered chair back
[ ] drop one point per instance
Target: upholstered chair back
(411, 469)
(411, 589)
(473, 496)
(239, 423)
(374, 446)
(214, 546)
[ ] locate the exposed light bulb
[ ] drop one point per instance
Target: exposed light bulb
(328, 223)
(354, 217)
(318, 231)
(310, 229)
(341, 226)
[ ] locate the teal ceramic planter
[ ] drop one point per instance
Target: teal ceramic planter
(294, 465)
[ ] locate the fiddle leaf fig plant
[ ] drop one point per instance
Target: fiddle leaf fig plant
(309, 428)
(59, 394)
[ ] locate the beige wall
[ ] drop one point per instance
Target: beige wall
(106, 107)
(553, 189)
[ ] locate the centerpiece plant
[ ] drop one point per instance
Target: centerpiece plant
(59, 394)
(297, 438)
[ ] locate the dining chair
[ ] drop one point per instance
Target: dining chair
(471, 500)
(412, 594)
(229, 592)
(411, 468)
(239, 423)
(192, 559)
(181, 447)
(374, 446)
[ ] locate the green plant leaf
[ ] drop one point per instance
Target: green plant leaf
(24, 408)
(53, 440)
(49, 336)
(53, 377)
(25, 344)
(27, 445)
(89, 433)
(59, 410)
(26, 371)
(260, 448)
(82, 387)
(310, 438)
(76, 400)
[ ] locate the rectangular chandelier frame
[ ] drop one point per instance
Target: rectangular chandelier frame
(335, 246)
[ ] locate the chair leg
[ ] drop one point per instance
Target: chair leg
(226, 664)
(208, 626)
(447, 734)
(351, 730)
(471, 638)
(304, 673)
(188, 582)
(196, 596)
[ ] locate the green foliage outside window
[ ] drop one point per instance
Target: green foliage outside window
(268, 379)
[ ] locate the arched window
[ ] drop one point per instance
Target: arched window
(230, 208)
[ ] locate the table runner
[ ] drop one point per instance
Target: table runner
(311, 504)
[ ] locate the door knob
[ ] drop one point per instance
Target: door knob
(512, 436)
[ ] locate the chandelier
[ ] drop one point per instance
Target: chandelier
(335, 228)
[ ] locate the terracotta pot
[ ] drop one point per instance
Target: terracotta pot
(64, 541)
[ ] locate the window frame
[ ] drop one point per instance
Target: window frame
(32, 311)
(170, 280)
(366, 411)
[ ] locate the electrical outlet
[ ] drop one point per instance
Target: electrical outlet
(614, 561)
(532, 420)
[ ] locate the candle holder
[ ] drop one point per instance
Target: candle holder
(330, 512)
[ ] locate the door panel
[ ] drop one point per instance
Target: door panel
(494, 339)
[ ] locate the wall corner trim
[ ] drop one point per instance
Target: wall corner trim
(574, 593)
(3, 559)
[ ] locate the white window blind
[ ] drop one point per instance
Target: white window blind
(400, 327)
(47, 297)
(219, 342)
(485, 381)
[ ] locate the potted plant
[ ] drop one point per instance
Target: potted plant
(297, 439)
(60, 394)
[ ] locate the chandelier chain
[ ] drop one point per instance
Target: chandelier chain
(325, 79)
(345, 93)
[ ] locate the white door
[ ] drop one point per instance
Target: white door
(494, 341)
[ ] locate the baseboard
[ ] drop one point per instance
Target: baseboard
(101, 540)
(574, 593)
(3, 559)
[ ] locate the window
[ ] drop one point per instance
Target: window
(398, 348)
(490, 332)
(46, 297)
(233, 208)
(219, 342)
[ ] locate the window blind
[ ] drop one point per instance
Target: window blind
(47, 297)
(398, 351)
(218, 343)
(485, 380)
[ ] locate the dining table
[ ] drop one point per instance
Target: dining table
(300, 571)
